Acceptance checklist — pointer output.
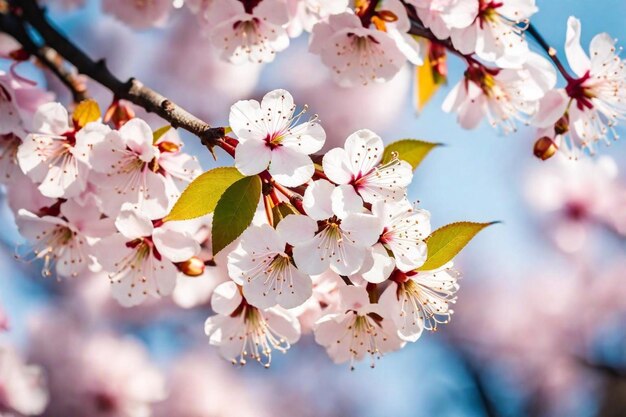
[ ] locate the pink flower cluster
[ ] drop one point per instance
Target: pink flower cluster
(91, 198)
(505, 83)
(343, 262)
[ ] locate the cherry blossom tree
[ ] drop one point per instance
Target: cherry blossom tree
(286, 239)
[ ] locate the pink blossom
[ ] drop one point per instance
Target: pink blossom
(139, 14)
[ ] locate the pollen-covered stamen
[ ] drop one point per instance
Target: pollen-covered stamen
(364, 335)
(258, 338)
(57, 153)
(382, 181)
(138, 264)
(275, 269)
(488, 14)
(427, 300)
(506, 102)
(363, 52)
(133, 170)
(54, 243)
(168, 147)
(249, 35)
(332, 240)
(404, 231)
(281, 127)
(487, 11)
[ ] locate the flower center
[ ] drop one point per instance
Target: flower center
(426, 304)
(50, 243)
(249, 5)
(259, 338)
(577, 90)
(365, 335)
(487, 11)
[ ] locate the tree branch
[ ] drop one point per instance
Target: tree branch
(46, 56)
(132, 90)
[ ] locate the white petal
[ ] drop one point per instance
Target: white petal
(175, 246)
(310, 258)
(353, 298)
(348, 259)
(317, 200)
(336, 164)
(346, 201)
(252, 157)
(139, 137)
(296, 228)
(245, 120)
(382, 265)
(51, 118)
(551, 108)
(283, 324)
(226, 298)
(277, 107)
(290, 167)
(133, 224)
(365, 150)
(364, 229)
(576, 56)
(307, 137)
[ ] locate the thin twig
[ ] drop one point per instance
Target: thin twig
(534, 33)
(46, 56)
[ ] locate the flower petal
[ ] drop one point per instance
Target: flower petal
(290, 167)
(252, 157)
(226, 298)
(576, 56)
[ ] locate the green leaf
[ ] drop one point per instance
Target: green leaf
(234, 211)
(158, 134)
(412, 151)
(446, 242)
(201, 196)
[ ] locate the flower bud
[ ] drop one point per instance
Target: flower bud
(193, 267)
(119, 113)
(561, 127)
(169, 147)
(545, 148)
(387, 16)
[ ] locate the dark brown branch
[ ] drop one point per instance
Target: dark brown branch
(132, 90)
(45, 55)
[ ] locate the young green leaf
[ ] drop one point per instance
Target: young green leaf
(201, 196)
(158, 134)
(412, 151)
(446, 242)
(234, 211)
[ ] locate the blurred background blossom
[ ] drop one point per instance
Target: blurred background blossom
(539, 328)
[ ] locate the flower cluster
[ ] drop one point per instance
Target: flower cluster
(339, 245)
(81, 188)
(505, 82)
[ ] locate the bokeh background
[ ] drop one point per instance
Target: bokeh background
(539, 328)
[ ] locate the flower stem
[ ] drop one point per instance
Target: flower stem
(534, 33)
